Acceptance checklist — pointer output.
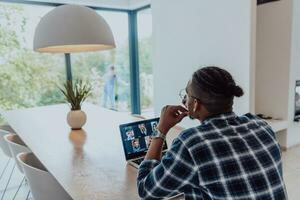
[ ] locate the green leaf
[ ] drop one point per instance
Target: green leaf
(76, 93)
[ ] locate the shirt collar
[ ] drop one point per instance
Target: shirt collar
(222, 116)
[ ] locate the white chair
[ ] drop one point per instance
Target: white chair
(3, 143)
(16, 146)
(5, 149)
(42, 184)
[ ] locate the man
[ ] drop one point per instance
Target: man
(110, 82)
(148, 141)
(154, 126)
(129, 133)
(136, 145)
(143, 129)
(226, 157)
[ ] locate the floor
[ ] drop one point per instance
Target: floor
(291, 171)
(16, 182)
(291, 167)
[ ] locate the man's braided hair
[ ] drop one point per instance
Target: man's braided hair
(215, 88)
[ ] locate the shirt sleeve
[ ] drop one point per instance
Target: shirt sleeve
(169, 177)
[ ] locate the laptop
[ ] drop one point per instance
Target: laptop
(136, 139)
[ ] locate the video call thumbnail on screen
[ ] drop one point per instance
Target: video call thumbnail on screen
(137, 138)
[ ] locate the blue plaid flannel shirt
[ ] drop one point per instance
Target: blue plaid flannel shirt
(226, 157)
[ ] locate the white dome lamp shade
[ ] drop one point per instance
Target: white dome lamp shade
(72, 28)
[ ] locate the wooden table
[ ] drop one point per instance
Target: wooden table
(89, 164)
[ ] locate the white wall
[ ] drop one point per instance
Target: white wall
(294, 127)
(273, 56)
(273, 50)
(196, 33)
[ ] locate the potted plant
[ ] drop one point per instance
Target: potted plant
(75, 94)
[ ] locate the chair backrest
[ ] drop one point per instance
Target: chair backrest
(42, 184)
(3, 143)
(16, 146)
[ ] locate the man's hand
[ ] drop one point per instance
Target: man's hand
(170, 116)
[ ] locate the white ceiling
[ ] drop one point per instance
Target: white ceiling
(124, 4)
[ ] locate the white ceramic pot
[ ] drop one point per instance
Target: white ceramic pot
(76, 119)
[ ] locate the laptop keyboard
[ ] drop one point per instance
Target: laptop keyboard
(140, 160)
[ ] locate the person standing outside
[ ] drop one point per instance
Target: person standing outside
(109, 89)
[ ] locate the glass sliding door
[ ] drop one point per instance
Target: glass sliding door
(108, 71)
(144, 19)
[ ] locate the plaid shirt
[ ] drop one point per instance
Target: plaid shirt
(226, 157)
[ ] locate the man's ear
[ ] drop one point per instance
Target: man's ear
(197, 106)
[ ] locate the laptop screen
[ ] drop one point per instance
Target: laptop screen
(136, 137)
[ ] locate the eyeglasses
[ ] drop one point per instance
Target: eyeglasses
(183, 95)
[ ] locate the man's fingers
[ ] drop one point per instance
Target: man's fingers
(166, 107)
(176, 108)
(163, 110)
(173, 108)
(181, 116)
(180, 108)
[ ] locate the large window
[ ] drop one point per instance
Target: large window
(28, 78)
(144, 24)
(108, 71)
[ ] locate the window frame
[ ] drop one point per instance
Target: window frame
(133, 47)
